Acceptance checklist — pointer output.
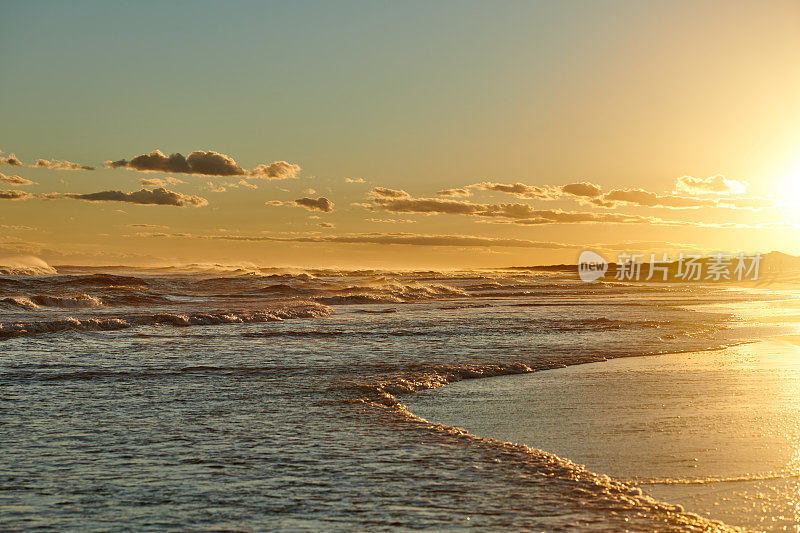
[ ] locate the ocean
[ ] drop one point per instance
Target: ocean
(256, 399)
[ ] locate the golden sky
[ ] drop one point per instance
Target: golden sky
(410, 135)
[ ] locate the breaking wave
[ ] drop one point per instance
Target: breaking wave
(391, 293)
(382, 395)
(307, 310)
(24, 266)
(78, 301)
(18, 302)
(106, 280)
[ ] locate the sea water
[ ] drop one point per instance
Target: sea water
(268, 399)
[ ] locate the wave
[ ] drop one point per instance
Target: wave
(766, 476)
(18, 302)
(599, 324)
(306, 310)
(128, 298)
(392, 292)
(78, 301)
(283, 289)
(611, 493)
(360, 299)
(466, 306)
(106, 280)
(24, 266)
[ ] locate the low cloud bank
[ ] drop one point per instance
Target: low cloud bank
(157, 196)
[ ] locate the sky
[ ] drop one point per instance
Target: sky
(410, 134)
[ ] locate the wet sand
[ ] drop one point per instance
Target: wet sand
(717, 432)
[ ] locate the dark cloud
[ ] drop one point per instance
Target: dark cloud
(60, 165)
(712, 185)
(389, 193)
(158, 196)
(15, 180)
(198, 162)
(325, 225)
(14, 195)
(208, 163)
(315, 204)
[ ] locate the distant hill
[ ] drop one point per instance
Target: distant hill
(774, 266)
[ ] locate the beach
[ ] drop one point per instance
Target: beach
(712, 431)
(274, 400)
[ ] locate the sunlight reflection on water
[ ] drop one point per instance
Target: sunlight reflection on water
(717, 431)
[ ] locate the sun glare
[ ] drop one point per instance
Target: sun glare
(788, 189)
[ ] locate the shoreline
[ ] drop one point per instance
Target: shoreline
(755, 346)
(389, 401)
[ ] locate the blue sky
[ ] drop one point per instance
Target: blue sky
(417, 96)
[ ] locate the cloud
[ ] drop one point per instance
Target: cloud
(591, 194)
(158, 196)
(389, 193)
(208, 163)
(312, 204)
(149, 226)
(318, 204)
(277, 170)
(10, 160)
(754, 204)
(583, 188)
(160, 182)
(519, 190)
(15, 180)
(325, 225)
(640, 197)
(409, 239)
(518, 213)
(14, 195)
(230, 185)
(712, 185)
(454, 192)
(60, 165)
(198, 162)
(425, 205)
(354, 180)
(211, 187)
